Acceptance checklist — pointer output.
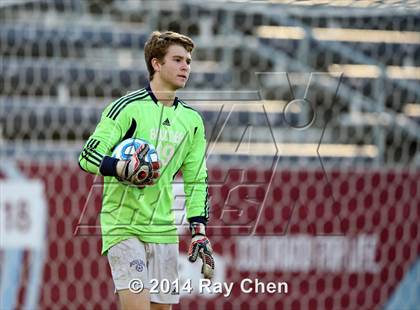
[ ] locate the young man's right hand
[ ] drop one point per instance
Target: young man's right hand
(137, 170)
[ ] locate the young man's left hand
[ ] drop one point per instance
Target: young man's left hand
(200, 245)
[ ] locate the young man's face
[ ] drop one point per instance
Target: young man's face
(175, 70)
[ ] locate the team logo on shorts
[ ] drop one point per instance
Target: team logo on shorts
(138, 263)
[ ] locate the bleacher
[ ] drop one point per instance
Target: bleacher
(64, 60)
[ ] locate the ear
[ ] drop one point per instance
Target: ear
(155, 64)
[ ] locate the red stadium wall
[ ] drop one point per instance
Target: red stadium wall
(360, 230)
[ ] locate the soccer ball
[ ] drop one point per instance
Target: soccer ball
(126, 149)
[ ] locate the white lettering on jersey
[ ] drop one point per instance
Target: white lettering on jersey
(165, 135)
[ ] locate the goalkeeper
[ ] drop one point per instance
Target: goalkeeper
(137, 222)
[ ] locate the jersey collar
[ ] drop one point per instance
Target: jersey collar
(155, 100)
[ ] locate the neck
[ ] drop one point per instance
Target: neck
(163, 93)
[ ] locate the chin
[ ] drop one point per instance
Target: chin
(179, 85)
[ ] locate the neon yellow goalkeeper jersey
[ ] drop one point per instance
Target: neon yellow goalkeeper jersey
(178, 134)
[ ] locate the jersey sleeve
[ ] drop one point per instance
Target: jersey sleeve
(194, 173)
(107, 134)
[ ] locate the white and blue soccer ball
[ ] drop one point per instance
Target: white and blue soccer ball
(125, 149)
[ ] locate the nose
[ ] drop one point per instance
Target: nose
(185, 66)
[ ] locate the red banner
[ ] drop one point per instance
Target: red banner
(293, 239)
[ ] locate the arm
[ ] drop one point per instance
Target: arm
(194, 172)
(108, 133)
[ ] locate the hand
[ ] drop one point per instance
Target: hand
(137, 170)
(200, 245)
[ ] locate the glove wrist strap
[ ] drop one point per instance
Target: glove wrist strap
(197, 229)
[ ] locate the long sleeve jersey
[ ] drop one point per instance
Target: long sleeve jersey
(178, 134)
